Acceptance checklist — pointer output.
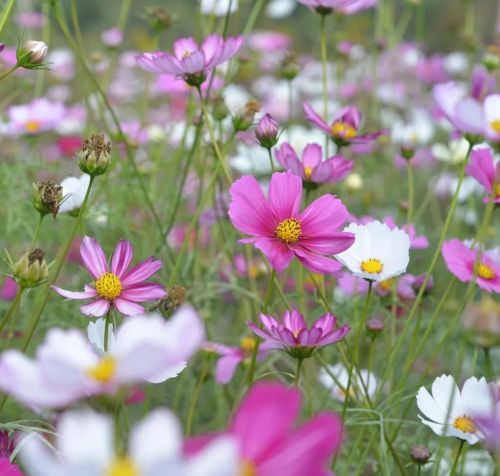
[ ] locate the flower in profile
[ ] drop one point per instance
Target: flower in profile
(85, 446)
(31, 54)
(468, 263)
(67, 367)
(378, 252)
(311, 167)
(337, 380)
(451, 412)
(295, 337)
(190, 61)
(280, 231)
(486, 171)
(115, 285)
(346, 7)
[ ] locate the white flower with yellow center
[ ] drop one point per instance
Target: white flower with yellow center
(85, 448)
(451, 412)
(378, 252)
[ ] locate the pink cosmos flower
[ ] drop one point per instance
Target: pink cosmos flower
(483, 168)
(191, 61)
(280, 231)
(115, 285)
(465, 263)
(344, 128)
(347, 7)
(312, 168)
(295, 337)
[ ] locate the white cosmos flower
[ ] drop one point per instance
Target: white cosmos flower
(453, 153)
(85, 448)
(361, 384)
(278, 9)
(218, 8)
(378, 252)
(451, 412)
(74, 190)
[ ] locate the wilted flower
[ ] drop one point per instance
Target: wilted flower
(115, 285)
(176, 296)
(94, 156)
(30, 270)
(295, 337)
(46, 197)
(31, 54)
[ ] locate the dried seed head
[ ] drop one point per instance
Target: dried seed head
(95, 155)
(46, 197)
(30, 270)
(176, 296)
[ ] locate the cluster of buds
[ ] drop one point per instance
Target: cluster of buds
(30, 270)
(31, 55)
(95, 155)
(245, 120)
(266, 132)
(175, 298)
(46, 197)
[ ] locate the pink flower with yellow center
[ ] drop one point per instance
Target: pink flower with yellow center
(115, 285)
(281, 231)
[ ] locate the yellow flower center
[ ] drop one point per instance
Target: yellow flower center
(308, 172)
(343, 130)
(32, 126)
(247, 469)
(387, 284)
(484, 271)
(123, 466)
(247, 344)
(289, 230)
(497, 190)
(108, 286)
(104, 371)
(372, 266)
(465, 424)
(495, 125)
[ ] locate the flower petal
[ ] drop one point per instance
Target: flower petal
(93, 257)
(122, 257)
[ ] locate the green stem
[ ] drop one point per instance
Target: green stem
(6, 12)
(297, 372)
(196, 395)
(8, 72)
(271, 161)
(12, 309)
(457, 458)
(362, 322)
(106, 331)
(324, 65)
(37, 231)
(487, 364)
(411, 193)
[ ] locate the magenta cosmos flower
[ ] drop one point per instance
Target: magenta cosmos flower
(465, 262)
(280, 231)
(344, 128)
(115, 285)
(347, 7)
(483, 168)
(190, 61)
(295, 337)
(311, 167)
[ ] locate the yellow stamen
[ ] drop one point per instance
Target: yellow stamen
(123, 466)
(247, 469)
(247, 344)
(465, 424)
(108, 286)
(484, 271)
(289, 230)
(308, 172)
(372, 266)
(104, 371)
(495, 125)
(497, 190)
(32, 126)
(343, 130)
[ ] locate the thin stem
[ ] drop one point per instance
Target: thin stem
(271, 161)
(106, 331)
(362, 322)
(324, 65)
(37, 231)
(196, 395)
(297, 372)
(6, 12)
(8, 72)
(487, 364)
(457, 458)
(12, 309)
(411, 193)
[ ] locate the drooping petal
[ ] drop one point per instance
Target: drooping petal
(314, 118)
(88, 293)
(93, 257)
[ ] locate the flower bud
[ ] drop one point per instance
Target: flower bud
(374, 327)
(31, 54)
(491, 59)
(418, 283)
(420, 454)
(267, 131)
(46, 197)
(95, 155)
(289, 68)
(31, 269)
(157, 18)
(407, 152)
(245, 120)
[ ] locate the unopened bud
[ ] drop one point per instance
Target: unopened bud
(374, 327)
(157, 18)
(46, 197)
(407, 152)
(219, 110)
(267, 131)
(491, 59)
(420, 454)
(31, 54)
(31, 269)
(289, 67)
(95, 155)
(419, 282)
(245, 120)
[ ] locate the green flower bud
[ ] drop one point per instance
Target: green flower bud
(95, 155)
(31, 54)
(30, 270)
(46, 197)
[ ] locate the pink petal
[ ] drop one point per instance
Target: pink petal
(97, 308)
(143, 292)
(285, 195)
(183, 46)
(294, 321)
(127, 307)
(225, 368)
(278, 254)
(212, 47)
(122, 257)
(458, 258)
(93, 257)
(323, 217)
(88, 293)
(141, 272)
(194, 63)
(317, 263)
(312, 155)
(314, 118)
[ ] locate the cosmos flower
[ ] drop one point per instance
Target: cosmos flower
(345, 127)
(67, 368)
(280, 231)
(115, 285)
(451, 412)
(346, 7)
(311, 167)
(378, 252)
(483, 167)
(295, 337)
(467, 263)
(190, 61)
(85, 446)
